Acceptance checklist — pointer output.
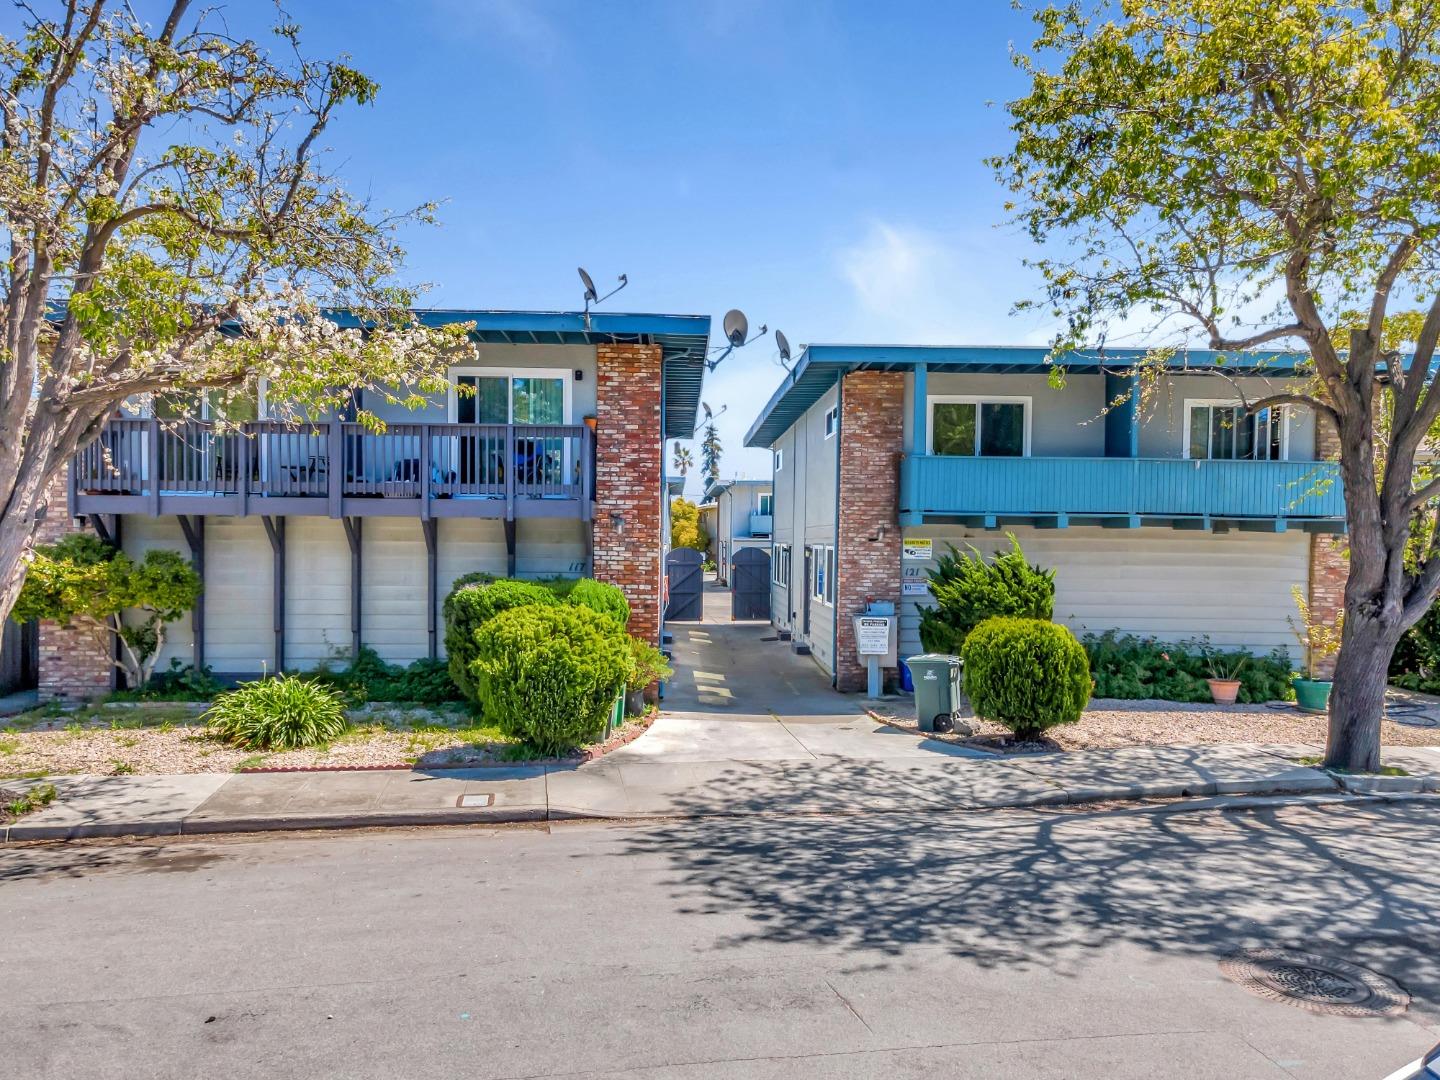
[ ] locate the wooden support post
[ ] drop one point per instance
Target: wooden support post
(424, 478)
(102, 530)
(336, 468)
(354, 536)
(152, 440)
(509, 547)
(920, 417)
(429, 526)
(194, 530)
(275, 530)
(242, 483)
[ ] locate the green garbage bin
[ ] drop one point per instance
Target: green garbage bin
(937, 686)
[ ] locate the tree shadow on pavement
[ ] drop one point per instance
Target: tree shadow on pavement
(1044, 887)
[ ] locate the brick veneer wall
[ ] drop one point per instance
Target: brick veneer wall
(628, 465)
(73, 666)
(1329, 563)
(872, 411)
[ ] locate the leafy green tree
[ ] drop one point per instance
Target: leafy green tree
(83, 581)
(710, 453)
(685, 528)
(1261, 173)
(171, 226)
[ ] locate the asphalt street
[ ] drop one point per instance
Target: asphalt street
(1079, 943)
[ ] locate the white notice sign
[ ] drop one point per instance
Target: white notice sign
(917, 549)
(914, 588)
(872, 635)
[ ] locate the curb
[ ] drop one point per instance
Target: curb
(1201, 796)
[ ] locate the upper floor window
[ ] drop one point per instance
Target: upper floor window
(832, 420)
(503, 397)
(766, 502)
(1224, 430)
(980, 427)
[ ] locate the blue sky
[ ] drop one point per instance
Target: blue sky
(818, 165)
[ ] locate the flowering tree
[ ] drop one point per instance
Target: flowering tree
(1262, 173)
(171, 226)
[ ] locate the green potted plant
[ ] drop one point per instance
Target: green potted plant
(651, 666)
(1319, 642)
(1223, 672)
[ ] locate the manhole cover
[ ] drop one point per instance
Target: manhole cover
(1317, 984)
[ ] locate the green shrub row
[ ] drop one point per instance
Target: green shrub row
(1028, 674)
(1415, 664)
(1126, 666)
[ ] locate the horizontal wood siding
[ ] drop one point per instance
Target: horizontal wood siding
(465, 546)
(239, 636)
(317, 587)
(1161, 583)
(550, 547)
(392, 602)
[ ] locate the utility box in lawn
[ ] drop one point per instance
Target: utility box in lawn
(937, 687)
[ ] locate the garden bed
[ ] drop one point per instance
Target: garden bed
(1109, 723)
(120, 739)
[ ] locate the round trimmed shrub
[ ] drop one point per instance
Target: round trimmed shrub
(549, 674)
(468, 608)
(1028, 674)
(601, 596)
(282, 713)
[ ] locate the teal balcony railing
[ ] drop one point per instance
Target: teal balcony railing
(1118, 487)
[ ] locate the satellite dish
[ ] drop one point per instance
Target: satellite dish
(784, 343)
(590, 293)
(736, 327)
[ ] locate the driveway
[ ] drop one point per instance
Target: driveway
(739, 693)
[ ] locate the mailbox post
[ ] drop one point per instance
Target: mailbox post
(875, 632)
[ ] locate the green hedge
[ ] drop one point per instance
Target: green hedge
(549, 674)
(1028, 674)
(968, 589)
(601, 596)
(468, 608)
(1126, 666)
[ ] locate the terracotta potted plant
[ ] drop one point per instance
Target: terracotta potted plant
(1224, 673)
(1319, 642)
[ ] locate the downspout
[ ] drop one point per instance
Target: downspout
(835, 609)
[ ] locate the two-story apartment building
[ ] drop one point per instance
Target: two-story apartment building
(544, 458)
(742, 518)
(1179, 517)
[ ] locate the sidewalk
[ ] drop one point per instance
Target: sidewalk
(628, 785)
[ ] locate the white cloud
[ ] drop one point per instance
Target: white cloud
(912, 286)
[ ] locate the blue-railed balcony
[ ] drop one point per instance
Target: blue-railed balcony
(336, 469)
(992, 492)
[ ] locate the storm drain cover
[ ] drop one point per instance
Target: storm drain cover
(1318, 984)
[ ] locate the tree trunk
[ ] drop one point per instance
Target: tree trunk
(1357, 701)
(17, 537)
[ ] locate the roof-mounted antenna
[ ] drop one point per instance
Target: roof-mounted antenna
(592, 296)
(736, 328)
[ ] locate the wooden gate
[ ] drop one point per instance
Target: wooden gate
(750, 584)
(684, 585)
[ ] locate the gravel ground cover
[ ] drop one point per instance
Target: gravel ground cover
(1109, 723)
(119, 739)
